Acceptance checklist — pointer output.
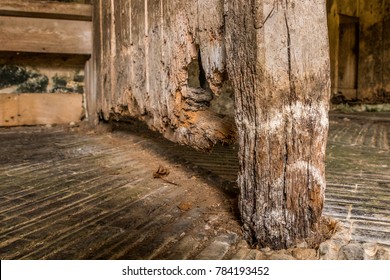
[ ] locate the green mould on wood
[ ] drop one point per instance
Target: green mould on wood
(27, 81)
(65, 84)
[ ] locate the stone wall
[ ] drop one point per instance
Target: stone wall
(369, 61)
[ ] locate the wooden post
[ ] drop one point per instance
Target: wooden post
(278, 62)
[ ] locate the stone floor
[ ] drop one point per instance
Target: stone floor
(67, 193)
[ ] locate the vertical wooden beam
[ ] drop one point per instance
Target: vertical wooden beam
(90, 92)
(278, 61)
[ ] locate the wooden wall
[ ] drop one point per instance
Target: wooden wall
(163, 62)
(373, 50)
(36, 109)
(45, 27)
(43, 51)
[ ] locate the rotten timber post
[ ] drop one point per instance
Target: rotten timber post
(163, 62)
(278, 63)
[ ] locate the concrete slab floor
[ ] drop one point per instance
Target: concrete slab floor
(67, 193)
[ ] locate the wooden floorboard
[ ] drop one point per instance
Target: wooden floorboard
(69, 193)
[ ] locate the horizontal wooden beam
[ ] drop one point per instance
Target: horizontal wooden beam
(45, 35)
(46, 9)
(40, 108)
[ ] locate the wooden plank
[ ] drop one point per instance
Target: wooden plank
(90, 92)
(40, 108)
(46, 9)
(45, 35)
(9, 109)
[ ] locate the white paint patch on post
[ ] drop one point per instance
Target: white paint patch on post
(298, 113)
(313, 171)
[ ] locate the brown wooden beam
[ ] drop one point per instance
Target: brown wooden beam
(45, 35)
(40, 108)
(46, 9)
(278, 62)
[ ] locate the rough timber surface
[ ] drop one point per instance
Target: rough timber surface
(166, 69)
(68, 194)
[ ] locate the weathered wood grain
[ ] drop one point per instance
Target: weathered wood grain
(90, 92)
(46, 9)
(166, 64)
(45, 35)
(149, 52)
(278, 61)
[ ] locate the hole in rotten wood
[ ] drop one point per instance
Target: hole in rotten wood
(202, 74)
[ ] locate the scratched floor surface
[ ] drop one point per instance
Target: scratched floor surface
(82, 195)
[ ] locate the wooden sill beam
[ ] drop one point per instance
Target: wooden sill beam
(46, 9)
